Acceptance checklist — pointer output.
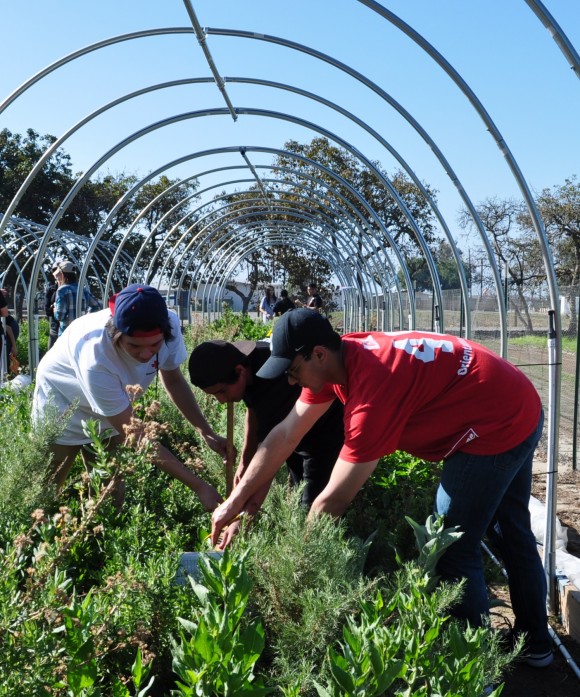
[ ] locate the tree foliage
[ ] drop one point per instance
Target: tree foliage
(309, 204)
(158, 201)
(18, 155)
(516, 245)
(446, 266)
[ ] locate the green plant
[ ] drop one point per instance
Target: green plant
(307, 579)
(24, 455)
(408, 645)
(401, 485)
(432, 540)
(217, 650)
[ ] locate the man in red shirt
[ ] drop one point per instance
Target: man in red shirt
(438, 397)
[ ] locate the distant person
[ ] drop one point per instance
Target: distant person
(49, 301)
(283, 304)
(132, 342)
(65, 304)
(12, 328)
(227, 371)
(9, 338)
(440, 398)
(314, 301)
(267, 304)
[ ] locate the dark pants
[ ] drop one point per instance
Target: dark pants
(482, 493)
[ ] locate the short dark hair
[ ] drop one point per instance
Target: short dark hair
(69, 277)
(214, 362)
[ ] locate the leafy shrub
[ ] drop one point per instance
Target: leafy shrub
(218, 650)
(22, 341)
(407, 645)
(24, 455)
(307, 579)
(401, 486)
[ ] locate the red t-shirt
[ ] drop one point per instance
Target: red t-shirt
(429, 395)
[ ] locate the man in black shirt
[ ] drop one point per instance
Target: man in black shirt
(283, 304)
(314, 301)
(228, 372)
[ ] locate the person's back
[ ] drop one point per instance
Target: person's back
(49, 300)
(65, 306)
(283, 304)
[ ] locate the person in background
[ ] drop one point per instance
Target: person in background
(267, 304)
(283, 304)
(9, 338)
(12, 328)
(227, 371)
(437, 397)
(314, 301)
(65, 304)
(133, 342)
(49, 300)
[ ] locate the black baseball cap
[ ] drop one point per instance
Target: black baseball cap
(214, 361)
(297, 331)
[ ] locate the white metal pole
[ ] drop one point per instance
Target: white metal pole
(551, 481)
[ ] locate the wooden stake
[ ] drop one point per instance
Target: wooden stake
(230, 452)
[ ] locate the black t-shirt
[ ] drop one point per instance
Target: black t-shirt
(283, 305)
(314, 301)
(272, 400)
(49, 298)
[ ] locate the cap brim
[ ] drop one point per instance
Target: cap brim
(274, 367)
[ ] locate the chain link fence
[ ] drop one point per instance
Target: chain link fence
(527, 347)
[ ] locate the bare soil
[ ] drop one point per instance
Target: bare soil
(558, 680)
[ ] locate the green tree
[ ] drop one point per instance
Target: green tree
(90, 208)
(304, 189)
(446, 268)
(559, 208)
(18, 155)
(92, 205)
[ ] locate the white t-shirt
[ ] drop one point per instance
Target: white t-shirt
(83, 366)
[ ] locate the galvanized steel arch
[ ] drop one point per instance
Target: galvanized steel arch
(279, 202)
(415, 125)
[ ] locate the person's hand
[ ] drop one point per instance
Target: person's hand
(221, 518)
(228, 535)
(217, 443)
(210, 498)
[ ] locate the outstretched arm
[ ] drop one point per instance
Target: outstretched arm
(184, 399)
(345, 482)
(269, 457)
(166, 461)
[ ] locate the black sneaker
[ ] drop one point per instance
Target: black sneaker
(536, 655)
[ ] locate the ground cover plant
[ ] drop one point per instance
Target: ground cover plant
(89, 604)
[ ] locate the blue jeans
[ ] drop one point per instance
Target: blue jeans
(490, 494)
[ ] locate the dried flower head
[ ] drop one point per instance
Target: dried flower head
(133, 392)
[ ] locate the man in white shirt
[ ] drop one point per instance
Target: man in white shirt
(132, 342)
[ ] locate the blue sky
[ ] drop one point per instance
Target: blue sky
(499, 47)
